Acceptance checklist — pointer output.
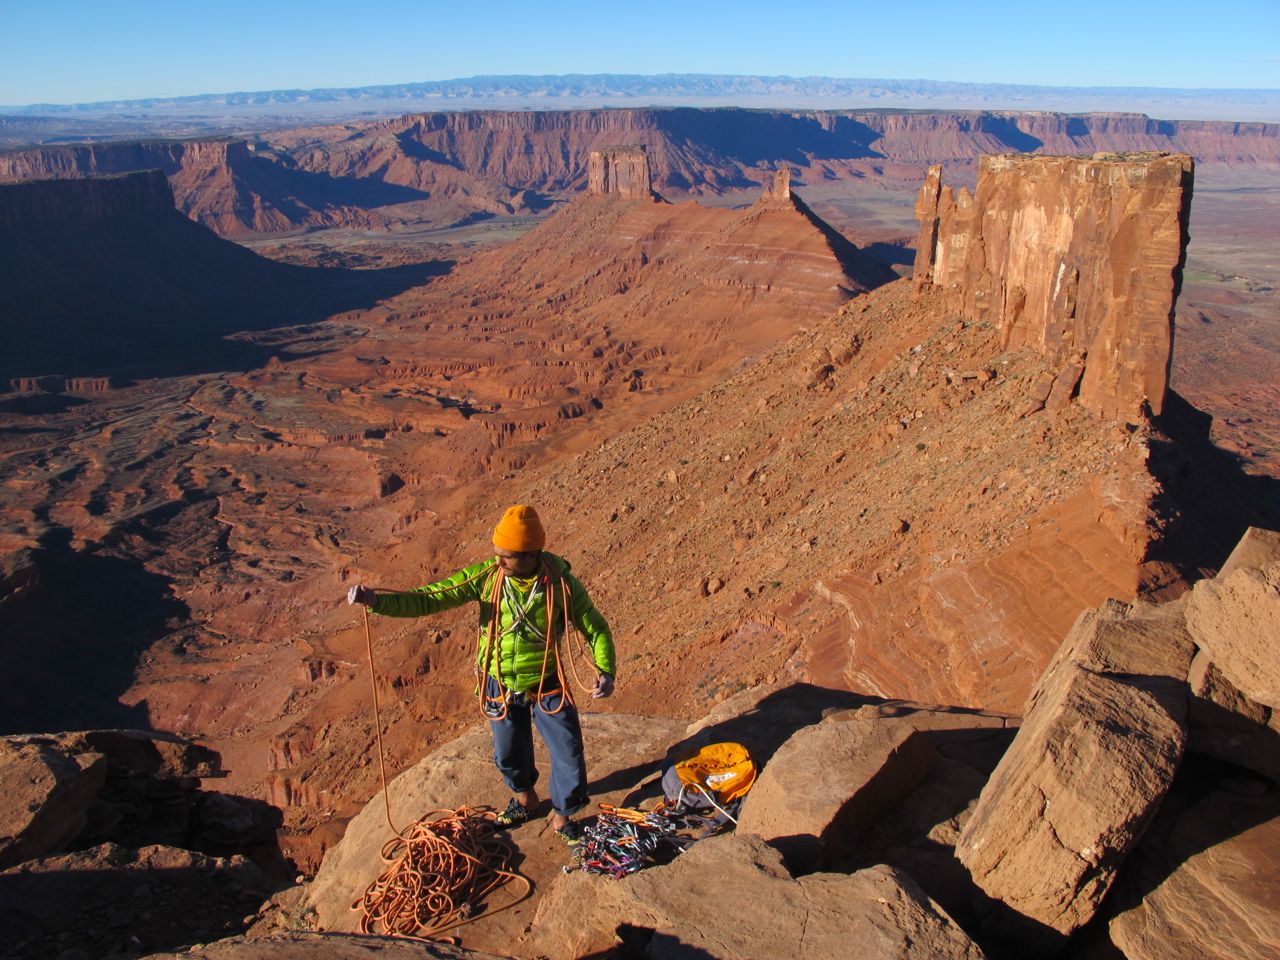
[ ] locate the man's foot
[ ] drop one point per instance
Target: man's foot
(515, 814)
(570, 833)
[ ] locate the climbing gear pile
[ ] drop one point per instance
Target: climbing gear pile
(441, 867)
(439, 873)
(622, 841)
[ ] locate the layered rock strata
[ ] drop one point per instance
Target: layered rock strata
(1079, 258)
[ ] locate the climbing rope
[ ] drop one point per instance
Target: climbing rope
(438, 876)
(440, 868)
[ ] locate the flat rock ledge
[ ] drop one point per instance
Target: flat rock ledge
(323, 946)
(730, 897)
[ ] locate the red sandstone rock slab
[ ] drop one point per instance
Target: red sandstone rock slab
(621, 751)
(46, 794)
(1070, 799)
(323, 946)
(1144, 639)
(1236, 619)
(824, 788)
(730, 897)
(1222, 722)
(1213, 882)
(1257, 548)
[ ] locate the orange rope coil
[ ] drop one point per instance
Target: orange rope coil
(439, 873)
(441, 867)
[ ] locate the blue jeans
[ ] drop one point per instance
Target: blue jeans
(560, 731)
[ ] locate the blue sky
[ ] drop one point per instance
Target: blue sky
(66, 51)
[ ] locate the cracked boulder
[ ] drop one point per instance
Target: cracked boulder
(1204, 884)
(1095, 755)
(1236, 620)
(730, 897)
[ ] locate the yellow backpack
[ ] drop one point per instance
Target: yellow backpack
(719, 774)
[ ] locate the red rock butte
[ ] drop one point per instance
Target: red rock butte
(623, 170)
(1078, 258)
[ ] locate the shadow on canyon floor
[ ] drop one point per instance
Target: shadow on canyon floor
(159, 296)
(73, 645)
(1208, 500)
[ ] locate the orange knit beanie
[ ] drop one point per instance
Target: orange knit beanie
(519, 530)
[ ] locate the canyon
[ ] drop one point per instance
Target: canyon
(438, 186)
(773, 460)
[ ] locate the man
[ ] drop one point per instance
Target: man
(527, 597)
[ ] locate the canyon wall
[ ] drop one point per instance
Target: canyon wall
(1080, 258)
(104, 276)
(28, 205)
(442, 167)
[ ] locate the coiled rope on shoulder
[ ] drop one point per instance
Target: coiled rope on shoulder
(440, 868)
(495, 708)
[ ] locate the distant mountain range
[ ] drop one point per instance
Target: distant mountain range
(594, 90)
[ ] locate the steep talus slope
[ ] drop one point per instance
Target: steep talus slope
(863, 507)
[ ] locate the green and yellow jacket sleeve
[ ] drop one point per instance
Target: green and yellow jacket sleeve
(593, 627)
(468, 584)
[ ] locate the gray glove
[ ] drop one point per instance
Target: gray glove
(362, 594)
(603, 688)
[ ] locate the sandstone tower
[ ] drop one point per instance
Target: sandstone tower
(620, 170)
(1078, 257)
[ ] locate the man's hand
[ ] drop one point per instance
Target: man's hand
(603, 688)
(362, 594)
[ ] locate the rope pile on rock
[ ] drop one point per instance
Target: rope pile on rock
(441, 869)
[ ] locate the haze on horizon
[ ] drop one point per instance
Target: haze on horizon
(81, 52)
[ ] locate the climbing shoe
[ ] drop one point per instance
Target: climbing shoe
(515, 814)
(570, 833)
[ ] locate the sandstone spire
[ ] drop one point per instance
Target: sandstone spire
(780, 187)
(1078, 257)
(620, 170)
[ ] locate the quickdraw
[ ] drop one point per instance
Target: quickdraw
(622, 841)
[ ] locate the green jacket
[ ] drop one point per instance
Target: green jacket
(519, 658)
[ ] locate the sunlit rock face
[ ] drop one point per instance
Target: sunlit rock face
(1080, 258)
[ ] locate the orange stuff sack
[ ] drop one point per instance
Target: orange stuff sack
(726, 770)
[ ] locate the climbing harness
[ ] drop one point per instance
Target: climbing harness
(440, 868)
(494, 707)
